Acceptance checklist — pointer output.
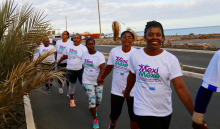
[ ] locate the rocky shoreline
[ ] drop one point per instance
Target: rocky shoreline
(209, 42)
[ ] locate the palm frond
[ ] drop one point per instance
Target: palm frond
(26, 28)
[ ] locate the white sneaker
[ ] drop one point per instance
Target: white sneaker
(68, 95)
(60, 90)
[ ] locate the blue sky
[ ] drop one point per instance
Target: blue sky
(82, 15)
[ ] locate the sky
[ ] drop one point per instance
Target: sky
(82, 15)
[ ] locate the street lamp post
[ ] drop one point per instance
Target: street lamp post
(100, 37)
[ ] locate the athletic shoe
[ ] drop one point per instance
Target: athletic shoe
(96, 124)
(48, 89)
(112, 126)
(68, 95)
(60, 90)
(72, 103)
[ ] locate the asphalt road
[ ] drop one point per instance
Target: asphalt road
(52, 110)
(186, 58)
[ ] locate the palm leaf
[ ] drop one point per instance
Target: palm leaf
(26, 28)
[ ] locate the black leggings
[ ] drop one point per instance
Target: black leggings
(74, 74)
(116, 107)
(63, 66)
(153, 122)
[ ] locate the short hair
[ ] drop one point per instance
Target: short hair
(154, 24)
(90, 39)
(127, 31)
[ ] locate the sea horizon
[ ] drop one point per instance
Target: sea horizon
(187, 31)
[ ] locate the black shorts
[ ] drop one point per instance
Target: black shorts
(116, 107)
(74, 74)
(153, 122)
(63, 65)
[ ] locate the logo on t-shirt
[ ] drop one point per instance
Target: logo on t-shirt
(44, 50)
(149, 75)
(88, 63)
(36, 51)
(72, 51)
(62, 48)
(121, 64)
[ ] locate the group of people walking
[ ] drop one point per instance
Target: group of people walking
(141, 77)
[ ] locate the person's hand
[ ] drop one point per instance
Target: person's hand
(100, 81)
(126, 94)
(199, 126)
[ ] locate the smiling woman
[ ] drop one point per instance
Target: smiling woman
(152, 68)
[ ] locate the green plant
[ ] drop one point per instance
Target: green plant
(181, 66)
(19, 75)
(191, 34)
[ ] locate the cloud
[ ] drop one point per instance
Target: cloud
(84, 13)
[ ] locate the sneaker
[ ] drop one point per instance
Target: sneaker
(60, 90)
(72, 103)
(68, 96)
(96, 124)
(112, 126)
(48, 89)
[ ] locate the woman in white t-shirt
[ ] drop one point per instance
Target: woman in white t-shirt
(94, 66)
(118, 59)
(73, 54)
(61, 45)
(49, 61)
(152, 68)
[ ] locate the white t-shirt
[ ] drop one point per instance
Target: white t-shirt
(60, 49)
(50, 58)
(211, 78)
(51, 40)
(153, 75)
(121, 70)
(74, 53)
(91, 65)
(36, 52)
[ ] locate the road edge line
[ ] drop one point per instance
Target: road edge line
(28, 113)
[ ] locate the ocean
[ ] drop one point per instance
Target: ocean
(187, 31)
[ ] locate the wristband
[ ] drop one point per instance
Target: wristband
(198, 117)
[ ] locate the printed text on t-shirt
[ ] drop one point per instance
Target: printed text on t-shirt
(88, 63)
(121, 64)
(149, 75)
(72, 51)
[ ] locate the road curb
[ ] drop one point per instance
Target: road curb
(28, 113)
(192, 74)
(172, 49)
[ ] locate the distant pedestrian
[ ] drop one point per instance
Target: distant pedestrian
(48, 62)
(94, 66)
(60, 47)
(51, 40)
(152, 68)
(73, 54)
(119, 59)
